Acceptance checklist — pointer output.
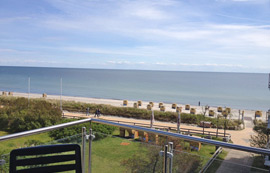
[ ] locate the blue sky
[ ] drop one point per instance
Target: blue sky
(187, 35)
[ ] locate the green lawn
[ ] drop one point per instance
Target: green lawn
(258, 162)
(3, 133)
(7, 146)
(206, 153)
(108, 153)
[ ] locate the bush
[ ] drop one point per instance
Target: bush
(17, 116)
(100, 130)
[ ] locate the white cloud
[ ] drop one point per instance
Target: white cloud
(14, 19)
(142, 33)
(201, 65)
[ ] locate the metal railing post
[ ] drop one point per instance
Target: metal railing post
(171, 158)
(165, 159)
(91, 137)
(83, 148)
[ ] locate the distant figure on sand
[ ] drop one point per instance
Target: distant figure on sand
(199, 103)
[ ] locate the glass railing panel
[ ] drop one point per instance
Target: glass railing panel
(4, 163)
(5, 156)
(236, 161)
(112, 153)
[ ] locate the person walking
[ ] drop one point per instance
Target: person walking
(96, 113)
(199, 103)
(87, 111)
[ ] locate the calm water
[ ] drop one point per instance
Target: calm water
(236, 90)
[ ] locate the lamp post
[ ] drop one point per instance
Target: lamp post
(61, 94)
(225, 123)
(239, 115)
(204, 112)
(29, 83)
(152, 119)
(178, 121)
(267, 115)
(217, 125)
(268, 125)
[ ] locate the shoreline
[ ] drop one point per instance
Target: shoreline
(248, 115)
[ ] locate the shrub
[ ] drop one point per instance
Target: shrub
(17, 116)
(100, 130)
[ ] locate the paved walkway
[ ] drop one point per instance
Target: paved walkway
(239, 161)
(240, 137)
(236, 161)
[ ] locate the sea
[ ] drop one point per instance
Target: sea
(236, 90)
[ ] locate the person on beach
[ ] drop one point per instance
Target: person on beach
(199, 103)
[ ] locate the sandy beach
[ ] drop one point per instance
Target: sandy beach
(248, 115)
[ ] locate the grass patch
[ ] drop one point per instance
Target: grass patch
(11, 144)
(3, 133)
(206, 153)
(108, 153)
(216, 164)
(258, 162)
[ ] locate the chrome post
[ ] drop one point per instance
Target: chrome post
(171, 158)
(91, 137)
(83, 148)
(165, 159)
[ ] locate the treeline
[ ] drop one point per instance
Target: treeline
(129, 112)
(17, 115)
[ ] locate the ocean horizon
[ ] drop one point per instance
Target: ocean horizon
(230, 89)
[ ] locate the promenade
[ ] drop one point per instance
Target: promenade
(240, 137)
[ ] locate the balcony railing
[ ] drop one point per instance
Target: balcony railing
(160, 163)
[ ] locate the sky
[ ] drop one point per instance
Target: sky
(181, 35)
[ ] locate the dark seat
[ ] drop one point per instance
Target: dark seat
(31, 160)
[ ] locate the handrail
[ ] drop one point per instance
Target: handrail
(159, 132)
(194, 131)
(186, 137)
(41, 130)
(212, 159)
(190, 131)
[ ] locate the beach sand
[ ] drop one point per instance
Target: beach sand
(249, 115)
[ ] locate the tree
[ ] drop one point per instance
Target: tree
(260, 139)
(151, 162)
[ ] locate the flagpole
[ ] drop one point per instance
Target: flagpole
(29, 90)
(61, 94)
